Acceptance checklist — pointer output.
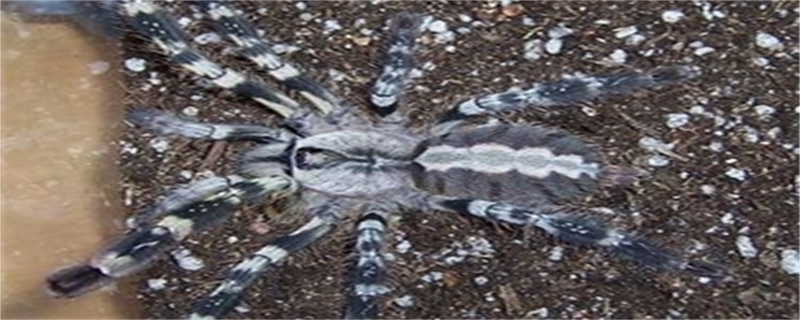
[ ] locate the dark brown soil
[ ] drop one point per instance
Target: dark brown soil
(692, 205)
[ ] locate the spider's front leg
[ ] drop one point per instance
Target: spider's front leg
(192, 209)
(570, 91)
(570, 224)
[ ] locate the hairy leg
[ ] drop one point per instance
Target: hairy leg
(567, 92)
(239, 278)
(165, 123)
(397, 64)
(370, 269)
(155, 24)
(144, 245)
(570, 224)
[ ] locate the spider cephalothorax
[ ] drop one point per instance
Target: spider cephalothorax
(340, 162)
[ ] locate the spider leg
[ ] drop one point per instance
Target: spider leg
(165, 123)
(571, 225)
(567, 92)
(226, 296)
(370, 271)
(397, 63)
(228, 22)
(144, 245)
(152, 22)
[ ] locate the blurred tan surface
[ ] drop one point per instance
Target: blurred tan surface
(60, 198)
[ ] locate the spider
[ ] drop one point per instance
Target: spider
(339, 162)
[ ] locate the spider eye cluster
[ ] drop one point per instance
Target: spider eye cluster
(315, 158)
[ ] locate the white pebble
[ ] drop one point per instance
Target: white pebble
(433, 276)
(437, 26)
(281, 48)
(184, 21)
(330, 25)
(156, 284)
(553, 46)
(761, 61)
(136, 64)
(727, 218)
(305, 16)
(746, 247)
(736, 173)
(672, 16)
(764, 111)
(404, 301)
(625, 32)
(300, 6)
(403, 246)
(677, 120)
(186, 174)
(533, 49)
(657, 160)
(465, 18)
(790, 261)
(635, 39)
(190, 111)
(450, 49)
(232, 239)
(703, 51)
(159, 144)
(186, 261)
(559, 31)
(708, 189)
(556, 254)
(655, 145)
(618, 56)
(768, 41)
(480, 280)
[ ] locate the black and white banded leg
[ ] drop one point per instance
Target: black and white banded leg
(144, 245)
(228, 295)
(567, 92)
(239, 30)
(370, 270)
(571, 225)
(165, 123)
(398, 61)
(155, 24)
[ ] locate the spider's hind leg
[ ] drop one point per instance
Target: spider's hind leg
(573, 225)
(570, 91)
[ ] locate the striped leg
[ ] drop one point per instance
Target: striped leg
(397, 63)
(370, 271)
(144, 245)
(242, 276)
(569, 224)
(155, 24)
(568, 92)
(226, 21)
(167, 124)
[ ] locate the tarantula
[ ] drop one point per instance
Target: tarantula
(341, 162)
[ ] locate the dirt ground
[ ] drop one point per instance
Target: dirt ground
(727, 174)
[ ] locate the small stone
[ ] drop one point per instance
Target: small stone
(300, 6)
(404, 301)
(480, 280)
(206, 38)
(618, 56)
(433, 276)
(540, 313)
(768, 41)
(764, 111)
(677, 120)
(703, 51)
(533, 49)
(672, 16)
(159, 144)
(186, 261)
(790, 261)
(361, 41)
(559, 31)
(625, 32)
(708, 189)
(553, 46)
(190, 111)
(403, 246)
(727, 218)
(305, 16)
(437, 26)
(746, 247)
(556, 254)
(330, 25)
(657, 160)
(736, 173)
(156, 284)
(135, 64)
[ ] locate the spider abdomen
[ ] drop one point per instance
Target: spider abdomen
(517, 164)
